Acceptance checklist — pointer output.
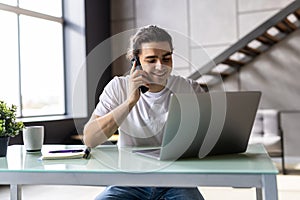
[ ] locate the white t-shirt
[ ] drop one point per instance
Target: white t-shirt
(144, 124)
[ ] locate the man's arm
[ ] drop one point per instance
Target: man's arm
(99, 128)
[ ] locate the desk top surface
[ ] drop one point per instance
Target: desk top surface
(110, 159)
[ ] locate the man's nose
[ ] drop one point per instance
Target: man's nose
(159, 64)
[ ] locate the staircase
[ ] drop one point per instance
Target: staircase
(250, 46)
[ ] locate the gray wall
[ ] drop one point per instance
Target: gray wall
(211, 24)
(276, 73)
(214, 25)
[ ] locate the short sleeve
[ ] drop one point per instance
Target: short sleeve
(112, 96)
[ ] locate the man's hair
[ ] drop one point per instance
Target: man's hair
(147, 34)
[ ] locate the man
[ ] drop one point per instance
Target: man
(140, 117)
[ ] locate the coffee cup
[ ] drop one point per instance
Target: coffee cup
(33, 138)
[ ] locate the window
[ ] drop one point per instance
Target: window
(32, 56)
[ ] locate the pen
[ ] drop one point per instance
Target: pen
(87, 153)
(67, 151)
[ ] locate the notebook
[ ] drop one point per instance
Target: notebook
(205, 124)
(66, 154)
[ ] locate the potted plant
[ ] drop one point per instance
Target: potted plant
(9, 127)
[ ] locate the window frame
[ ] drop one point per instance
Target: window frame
(21, 11)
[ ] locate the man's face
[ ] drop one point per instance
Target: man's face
(156, 60)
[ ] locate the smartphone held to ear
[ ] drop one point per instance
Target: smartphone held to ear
(143, 88)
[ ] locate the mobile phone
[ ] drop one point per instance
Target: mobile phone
(143, 88)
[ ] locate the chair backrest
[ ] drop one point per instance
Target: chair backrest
(266, 130)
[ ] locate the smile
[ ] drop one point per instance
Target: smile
(162, 74)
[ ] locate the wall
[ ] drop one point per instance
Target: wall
(276, 73)
(214, 25)
(97, 20)
(210, 24)
(56, 132)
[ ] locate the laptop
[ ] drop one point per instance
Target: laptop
(206, 124)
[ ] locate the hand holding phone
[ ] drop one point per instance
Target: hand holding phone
(136, 59)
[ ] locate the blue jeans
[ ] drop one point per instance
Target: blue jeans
(149, 193)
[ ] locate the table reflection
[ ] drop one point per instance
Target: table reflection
(123, 159)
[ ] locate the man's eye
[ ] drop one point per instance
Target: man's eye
(166, 59)
(151, 61)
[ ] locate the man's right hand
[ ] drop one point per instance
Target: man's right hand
(137, 78)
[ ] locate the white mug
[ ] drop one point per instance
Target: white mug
(33, 138)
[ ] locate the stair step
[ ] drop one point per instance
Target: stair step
(290, 24)
(283, 27)
(258, 46)
(209, 79)
(271, 37)
(222, 69)
(250, 46)
(277, 33)
(250, 51)
(265, 40)
(234, 63)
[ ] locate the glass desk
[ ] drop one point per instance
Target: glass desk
(109, 165)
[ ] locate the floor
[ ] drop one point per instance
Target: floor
(288, 189)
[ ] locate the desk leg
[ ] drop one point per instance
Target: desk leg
(269, 188)
(15, 192)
